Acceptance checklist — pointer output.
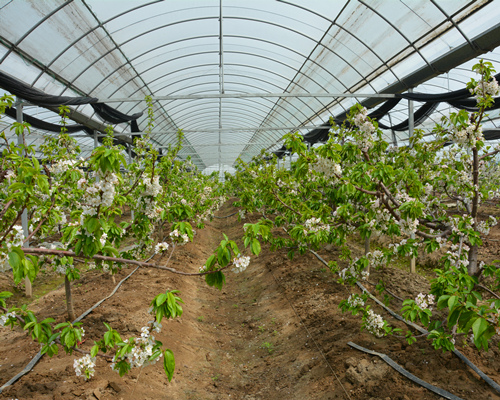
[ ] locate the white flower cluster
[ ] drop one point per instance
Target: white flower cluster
(85, 366)
(382, 217)
(486, 88)
(161, 247)
(62, 166)
(408, 226)
(152, 188)
(467, 136)
(142, 350)
(366, 128)
(355, 300)
(182, 238)
(376, 258)
(351, 271)
(241, 214)
(7, 316)
(15, 238)
(314, 225)
(424, 302)
(61, 269)
(374, 324)
(240, 263)
(484, 227)
(157, 326)
(455, 221)
(99, 193)
(459, 259)
(10, 175)
(329, 168)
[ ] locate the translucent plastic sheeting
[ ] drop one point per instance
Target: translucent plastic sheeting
(128, 49)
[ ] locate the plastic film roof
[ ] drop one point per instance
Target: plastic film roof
(216, 68)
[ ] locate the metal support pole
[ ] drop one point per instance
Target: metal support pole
(221, 83)
(24, 215)
(130, 162)
(411, 126)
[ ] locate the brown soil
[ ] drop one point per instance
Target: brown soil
(273, 332)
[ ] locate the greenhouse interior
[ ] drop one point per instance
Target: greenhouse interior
(278, 200)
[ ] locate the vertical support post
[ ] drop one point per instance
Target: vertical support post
(367, 250)
(130, 162)
(96, 142)
(24, 215)
(411, 127)
(221, 83)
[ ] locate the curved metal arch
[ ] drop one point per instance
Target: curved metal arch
(455, 25)
(196, 122)
(185, 114)
(230, 119)
(250, 117)
(239, 108)
(253, 101)
(244, 37)
(99, 25)
(273, 73)
(206, 18)
(410, 43)
(251, 67)
(348, 32)
(29, 31)
(265, 99)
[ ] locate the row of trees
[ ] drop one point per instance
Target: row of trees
(358, 184)
(78, 205)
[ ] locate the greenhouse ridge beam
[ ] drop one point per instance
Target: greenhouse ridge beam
(247, 95)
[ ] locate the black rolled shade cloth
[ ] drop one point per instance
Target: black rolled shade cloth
(112, 115)
(39, 98)
(46, 126)
(448, 96)
(420, 116)
(317, 134)
(470, 104)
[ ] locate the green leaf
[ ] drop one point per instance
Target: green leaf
(256, 247)
(16, 256)
(94, 351)
(452, 301)
(161, 299)
(92, 224)
(478, 328)
(216, 279)
(169, 363)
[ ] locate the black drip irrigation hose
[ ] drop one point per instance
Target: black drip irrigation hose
(402, 371)
(486, 378)
(226, 216)
(39, 355)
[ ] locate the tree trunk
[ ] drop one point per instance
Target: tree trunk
(367, 250)
(69, 300)
(473, 267)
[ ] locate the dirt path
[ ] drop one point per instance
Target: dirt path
(273, 332)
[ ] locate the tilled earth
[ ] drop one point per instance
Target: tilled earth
(273, 332)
